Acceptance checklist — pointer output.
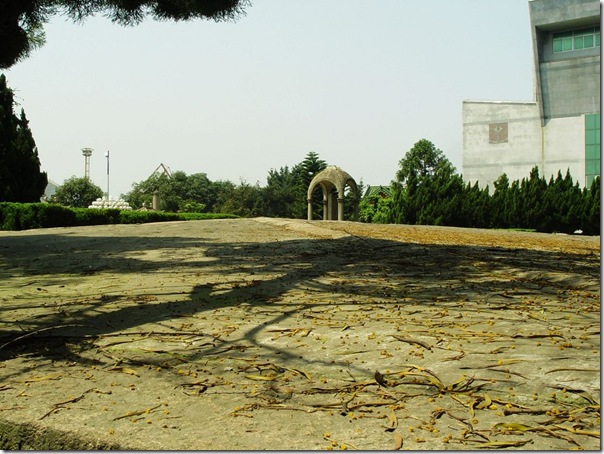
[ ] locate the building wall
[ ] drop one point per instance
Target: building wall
(486, 156)
(551, 131)
(570, 87)
(548, 13)
(564, 142)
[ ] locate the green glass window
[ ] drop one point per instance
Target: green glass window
(579, 42)
(567, 44)
(592, 167)
(591, 136)
(592, 147)
(590, 122)
(592, 152)
(576, 40)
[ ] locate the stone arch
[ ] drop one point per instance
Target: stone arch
(333, 181)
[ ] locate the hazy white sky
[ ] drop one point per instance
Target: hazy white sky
(356, 81)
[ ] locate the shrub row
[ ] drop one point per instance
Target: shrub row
(22, 216)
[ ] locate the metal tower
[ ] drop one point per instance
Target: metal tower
(87, 152)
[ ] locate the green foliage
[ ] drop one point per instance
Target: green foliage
(426, 187)
(474, 207)
(352, 200)
(282, 192)
(590, 216)
(22, 216)
(308, 168)
(283, 196)
(501, 203)
(428, 191)
(559, 205)
(178, 193)
(244, 200)
(141, 195)
(224, 190)
(375, 208)
(77, 193)
(424, 160)
(20, 177)
(286, 191)
(97, 216)
(22, 21)
(191, 206)
(204, 216)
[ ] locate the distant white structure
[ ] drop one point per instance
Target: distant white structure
(120, 204)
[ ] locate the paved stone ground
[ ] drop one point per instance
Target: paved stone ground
(281, 334)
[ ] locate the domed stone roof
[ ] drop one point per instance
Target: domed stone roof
(334, 175)
(330, 178)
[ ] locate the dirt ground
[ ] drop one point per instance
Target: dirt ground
(286, 334)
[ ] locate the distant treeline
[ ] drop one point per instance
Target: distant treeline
(426, 190)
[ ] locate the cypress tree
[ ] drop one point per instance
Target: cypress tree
(410, 201)
(591, 209)
(305, 172)
(575, 208)
(500, 202)
(420, 184)
(20, 177)
(397, 211)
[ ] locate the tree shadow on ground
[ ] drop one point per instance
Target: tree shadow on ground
(257, 274)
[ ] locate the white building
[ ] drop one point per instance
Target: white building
(560, 128)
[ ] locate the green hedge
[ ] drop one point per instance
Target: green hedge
(22, 216)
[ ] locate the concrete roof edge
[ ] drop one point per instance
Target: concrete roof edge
(478, 101)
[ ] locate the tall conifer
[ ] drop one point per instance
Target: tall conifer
(20, 177)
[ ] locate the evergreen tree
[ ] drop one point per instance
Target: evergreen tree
(425, 186)
(20, 177)
(423, 160)
(575, 204)
(404, 201)
(514, 205)
(450, 196)
(590, 217)
(533, 190)
(285, 194)
(244, 200)
(308, 168)
(563, 205)
(500, 202)
(397, 213)
(224, 190)
(281, 192)
(475, 207)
